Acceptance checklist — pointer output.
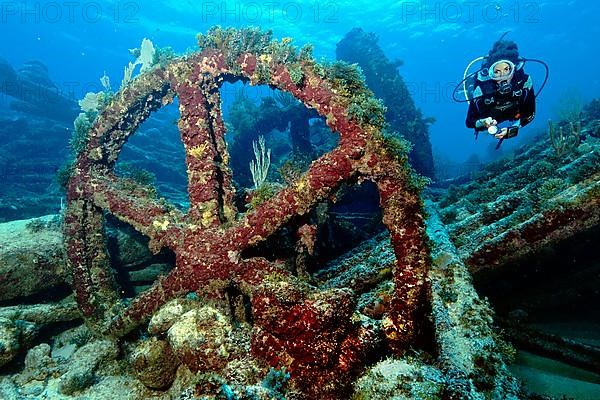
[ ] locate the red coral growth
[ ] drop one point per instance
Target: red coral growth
(311, 336)
(248, 63)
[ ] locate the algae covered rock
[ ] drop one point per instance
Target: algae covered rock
(201, 338)
(31, 257)
(8, 389)
(154, 363)
(85, 361)
(39, 362)
(39, 367)
(400, 380)
(15, 336)
(9, 341)
(168, 314)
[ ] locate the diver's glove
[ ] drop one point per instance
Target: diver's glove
(485, 123)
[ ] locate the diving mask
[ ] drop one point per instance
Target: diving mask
(502, 71)
(499, 72)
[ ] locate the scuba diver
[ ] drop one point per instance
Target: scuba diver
(500, 91)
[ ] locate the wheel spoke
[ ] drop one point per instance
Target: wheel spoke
(203, 134)
(320, 181)
(134, 204)
(88, 258)
(116, 125)
(224, 175)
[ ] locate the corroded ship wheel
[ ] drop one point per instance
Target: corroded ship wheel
(209, 239)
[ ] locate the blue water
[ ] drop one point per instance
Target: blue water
(79, 41)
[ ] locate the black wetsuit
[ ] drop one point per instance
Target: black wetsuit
(519, 104)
